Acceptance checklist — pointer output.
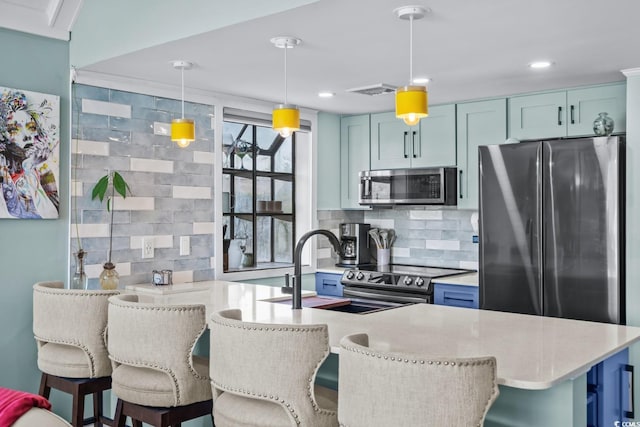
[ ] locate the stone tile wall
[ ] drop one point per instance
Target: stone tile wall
(428, 236)
(172, 188)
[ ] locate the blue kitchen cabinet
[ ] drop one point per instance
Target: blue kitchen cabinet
(329, 284)
(566, 113)
(478, 123)
(354, 157)
(455, 295)
(609, 390)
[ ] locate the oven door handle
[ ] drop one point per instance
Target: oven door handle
(382, 297)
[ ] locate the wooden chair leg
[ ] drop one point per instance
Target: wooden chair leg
(97, 408)
(136, 423)
(77, 411)
(119, 418)
(44, 390)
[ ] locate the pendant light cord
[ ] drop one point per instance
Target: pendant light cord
(285, 72)
(411, 49)
(183, 92)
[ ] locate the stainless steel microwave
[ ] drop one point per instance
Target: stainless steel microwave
(425, 186)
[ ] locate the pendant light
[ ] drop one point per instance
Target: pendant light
(183, 131)
(286, 117)
(411, 100)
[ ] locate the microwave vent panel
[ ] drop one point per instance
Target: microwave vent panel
(377, 89)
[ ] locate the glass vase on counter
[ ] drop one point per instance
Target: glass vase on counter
(79, 279)
(603, 125)
(109, 278)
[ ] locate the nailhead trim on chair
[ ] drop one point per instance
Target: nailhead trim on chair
(245, 325)
(155, 367)
(422, 362)
(92, 368)
(75, 293)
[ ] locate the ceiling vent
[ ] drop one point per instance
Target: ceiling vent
(377, 89)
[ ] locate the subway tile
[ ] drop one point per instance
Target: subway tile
(76, 189)
(204, 228)
(204, 157)
(450, 245)
(323, 253)
(106, 108)
(90, 230)
(212, 262)
(152, 217)
(90, 92)
(131, 125)
(400, 252)
(106, 135)
(383, 223)
(151, 165)
(130, 98)
(188, 192)
(471, 265)
(134, 203)
(161, 128)
(95, 121)
(425, 214)
(183, 276)
(158, 241)
(96, 148)
(204, 274)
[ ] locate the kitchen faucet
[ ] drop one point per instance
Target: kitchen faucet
(297, 267)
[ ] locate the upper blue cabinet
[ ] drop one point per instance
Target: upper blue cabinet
(566, 113)
(431, 143)
(354, 157)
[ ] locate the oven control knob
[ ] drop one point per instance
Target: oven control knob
(360, 275)
(407, 281)
(419, 282)
(350, 275)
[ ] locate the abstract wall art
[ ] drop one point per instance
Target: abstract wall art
(29, 154)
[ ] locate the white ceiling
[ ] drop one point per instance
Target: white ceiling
(470, 48)
(49, 18)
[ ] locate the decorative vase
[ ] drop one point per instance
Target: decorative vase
(109, 278)
(79, 279)
(603, 125)
(235, 254)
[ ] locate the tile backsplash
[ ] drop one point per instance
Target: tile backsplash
(172, 188)
(440, 237)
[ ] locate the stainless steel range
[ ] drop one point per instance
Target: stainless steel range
(393, 284)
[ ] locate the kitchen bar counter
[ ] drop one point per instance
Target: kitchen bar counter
(533, 352)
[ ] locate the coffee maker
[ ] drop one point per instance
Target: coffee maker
(354, 242)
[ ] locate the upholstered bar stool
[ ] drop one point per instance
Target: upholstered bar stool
(155, 376)
(70, 330)
(263, 374)
(395, 389)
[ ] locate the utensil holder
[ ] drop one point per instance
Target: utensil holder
(384, 255)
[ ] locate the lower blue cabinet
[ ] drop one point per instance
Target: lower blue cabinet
(609, 391)
(329, 284)
(455, 295)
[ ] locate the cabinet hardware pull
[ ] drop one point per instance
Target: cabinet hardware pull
(573, 121)
(559, 116)
(405, 144)
(631, 413)
(460, 183)
(413, 144)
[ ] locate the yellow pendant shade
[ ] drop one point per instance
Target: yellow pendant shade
(411, 104)
(286, 120)
(183, 131)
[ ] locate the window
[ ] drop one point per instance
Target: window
(258, 185)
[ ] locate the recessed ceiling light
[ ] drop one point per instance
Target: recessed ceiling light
(326, 94)
(421, 80)
(540, 64)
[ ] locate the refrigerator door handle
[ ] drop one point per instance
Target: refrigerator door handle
(630, 414)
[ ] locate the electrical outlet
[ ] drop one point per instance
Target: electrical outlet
(185, 245)
(147, 247)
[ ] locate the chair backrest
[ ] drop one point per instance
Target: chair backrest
(274, 362)
(385, 388)
(157, 336)
(73, 317)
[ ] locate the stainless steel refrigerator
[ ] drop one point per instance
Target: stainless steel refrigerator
(551, 228)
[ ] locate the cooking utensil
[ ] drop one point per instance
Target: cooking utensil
(384, 238)
(376, 237)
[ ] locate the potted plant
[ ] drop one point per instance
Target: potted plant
(107, 186)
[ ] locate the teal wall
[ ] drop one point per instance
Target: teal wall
(633, 215)
(32, 250)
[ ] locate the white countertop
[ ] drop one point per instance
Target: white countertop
(465, 279)
(533, 352)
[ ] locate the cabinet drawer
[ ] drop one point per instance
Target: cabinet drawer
(455, 295)
(328, 284)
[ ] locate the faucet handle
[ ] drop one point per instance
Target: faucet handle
(287, 288)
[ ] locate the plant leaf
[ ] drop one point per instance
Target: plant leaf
(100, 189)
(120, 185)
